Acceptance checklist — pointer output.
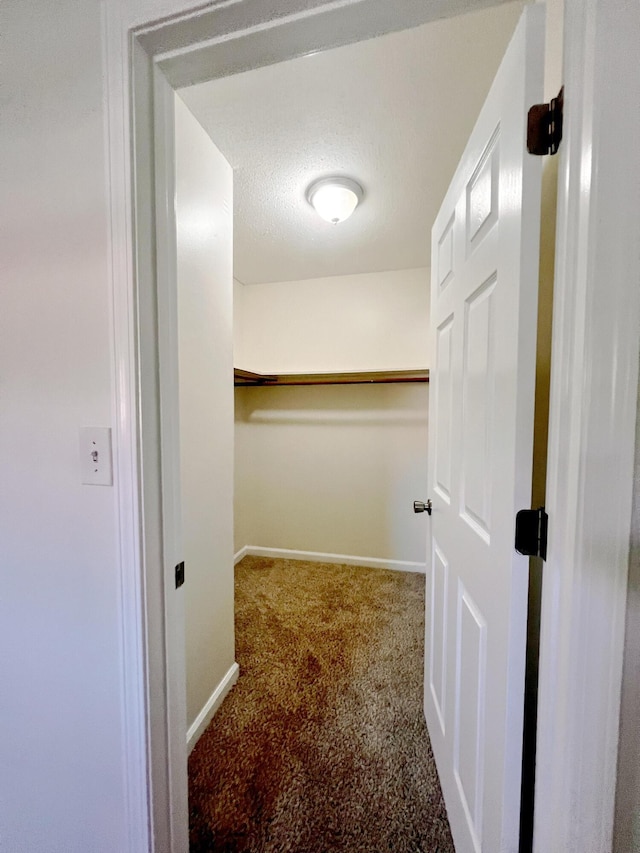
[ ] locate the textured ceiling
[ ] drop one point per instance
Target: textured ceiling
(393, 112)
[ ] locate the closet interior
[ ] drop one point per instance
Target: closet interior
(331, 399)
(304, 345)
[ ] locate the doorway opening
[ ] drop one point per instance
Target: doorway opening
(289, 302)
(168, 194)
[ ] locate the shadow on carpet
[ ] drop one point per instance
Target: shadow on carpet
(321, 746)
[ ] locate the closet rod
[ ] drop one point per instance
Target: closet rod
(248, 378)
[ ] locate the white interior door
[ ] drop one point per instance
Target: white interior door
(483, 331)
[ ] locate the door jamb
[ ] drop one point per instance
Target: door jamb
(592, 414)
(132, 47)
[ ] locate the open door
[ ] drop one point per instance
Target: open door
(483, 330)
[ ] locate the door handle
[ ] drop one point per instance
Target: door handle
(421, 506)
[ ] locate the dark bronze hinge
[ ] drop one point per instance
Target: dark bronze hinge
(531, 532)
(544, 126)
(179, 574)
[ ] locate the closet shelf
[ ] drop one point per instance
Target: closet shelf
(243, 378)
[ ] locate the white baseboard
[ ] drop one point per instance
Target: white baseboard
(317, 557)
(239, 555)
(211, 706)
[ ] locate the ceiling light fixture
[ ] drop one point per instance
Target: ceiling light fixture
(335, 199)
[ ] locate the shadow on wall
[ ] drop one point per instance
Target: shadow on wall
(356, 405)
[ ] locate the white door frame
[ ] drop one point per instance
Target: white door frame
(594, 389)
(588, 360)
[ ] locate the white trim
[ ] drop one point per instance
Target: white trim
(133, 603)
(238, 35)
(338, 559)
(239, 555)
(211, 705)
(166, 317)
(591, 430)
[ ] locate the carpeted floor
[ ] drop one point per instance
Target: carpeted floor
(321, 747)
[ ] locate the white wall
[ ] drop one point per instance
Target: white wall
(333, 469)
(61, 743)
(372, 321)
(204, 205)
(238, 302)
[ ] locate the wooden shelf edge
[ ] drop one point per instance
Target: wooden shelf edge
(247, 377)
(243, 378)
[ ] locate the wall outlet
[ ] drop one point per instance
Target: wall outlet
(96, 465)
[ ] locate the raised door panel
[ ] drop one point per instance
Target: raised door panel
(439, 594)
(444, 422)
(477, 408)
(469, 753)
(444, 255)
(482, 195)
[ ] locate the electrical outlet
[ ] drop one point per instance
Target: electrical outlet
(96, 465)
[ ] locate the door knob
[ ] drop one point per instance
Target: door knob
(421, 506)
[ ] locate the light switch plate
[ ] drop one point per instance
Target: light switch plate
(96, 464)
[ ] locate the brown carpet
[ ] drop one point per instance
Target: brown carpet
(321, 747)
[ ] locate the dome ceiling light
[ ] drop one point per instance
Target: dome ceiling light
(335, 199)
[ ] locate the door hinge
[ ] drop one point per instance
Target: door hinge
(531, 532)
(179, 574)
(544, 126)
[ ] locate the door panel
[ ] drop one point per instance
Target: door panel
(484, 305)
(468, 734)
(442, 479)
(482, 195)
(477, 406)
(438, 623)
(445, 254)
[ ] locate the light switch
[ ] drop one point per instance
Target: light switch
(96, 464)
